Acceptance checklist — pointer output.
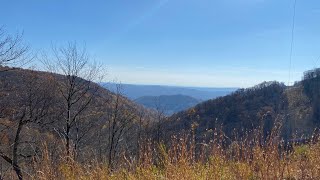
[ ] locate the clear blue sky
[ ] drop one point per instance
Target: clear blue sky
(213, 43)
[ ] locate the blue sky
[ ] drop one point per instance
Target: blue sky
(212, 43)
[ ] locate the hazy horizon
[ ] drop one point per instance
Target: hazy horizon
(178, 86)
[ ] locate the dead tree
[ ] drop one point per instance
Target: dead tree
(13, 52)
(30, 104)
(160, 118)
(119, 122)
(76, 87)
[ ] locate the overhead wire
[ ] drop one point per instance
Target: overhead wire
(316, 62)
(292, 40)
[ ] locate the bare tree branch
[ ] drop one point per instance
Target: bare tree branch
(13, 52)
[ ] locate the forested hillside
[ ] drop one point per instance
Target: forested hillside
(66, 115)
(294, 108)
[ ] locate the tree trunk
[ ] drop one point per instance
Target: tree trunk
(68, 130)
(15, 165)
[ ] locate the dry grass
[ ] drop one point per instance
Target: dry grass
(186, 160)
(304, 163)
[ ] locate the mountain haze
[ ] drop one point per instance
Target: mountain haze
(169, 104)
(136, 91)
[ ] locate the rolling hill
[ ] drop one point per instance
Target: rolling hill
(295, 109)
(36, 105)
(136, 91)
(169, 104)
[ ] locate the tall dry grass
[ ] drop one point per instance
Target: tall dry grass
(250, 157)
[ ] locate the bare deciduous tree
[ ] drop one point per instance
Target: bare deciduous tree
(30, 104)
(119, 122)
(76, 87)
(13, 51)
(160, 117)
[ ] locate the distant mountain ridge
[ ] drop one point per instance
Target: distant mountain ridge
(168, 104)
(201, 93)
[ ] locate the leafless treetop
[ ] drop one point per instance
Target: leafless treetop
(13, 52)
